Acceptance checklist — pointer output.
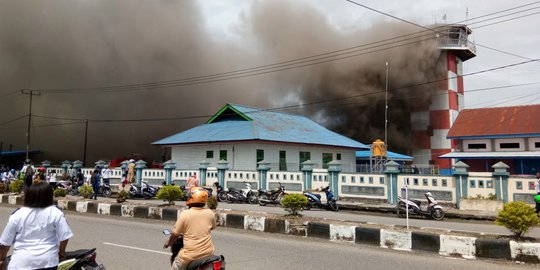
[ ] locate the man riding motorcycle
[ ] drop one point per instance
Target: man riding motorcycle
(195, 225)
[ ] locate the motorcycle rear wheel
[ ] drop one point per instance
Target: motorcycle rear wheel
(222, 197)
(261, 199)
(252, 197)
(400, 212)
(437, 214)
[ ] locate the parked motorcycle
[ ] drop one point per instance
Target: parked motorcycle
(314, 200)
(77, 260)
(213, 263)
(68, 187)
(143, 191)
(105, 190)
(271, 196)
(434, 210)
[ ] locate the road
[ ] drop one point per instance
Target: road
(132, 244)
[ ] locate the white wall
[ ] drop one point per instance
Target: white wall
(521, 142)
(532, 142)
(244, 155)
(487, 142)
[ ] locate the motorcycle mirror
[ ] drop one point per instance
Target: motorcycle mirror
(166, 232)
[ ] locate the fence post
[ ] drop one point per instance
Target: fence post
(460, 176)
(203, 167)
(307, 173)
(222, 166)
(500, 175)
(334, 168)
(65, 165)
(169, 166)
(391, 169)
(139, 166)
(263, 167)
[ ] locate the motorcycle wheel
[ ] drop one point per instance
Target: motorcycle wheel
(229, 198)
(106, 192)
(307, 207)
(437, 214)
(400, 212)
(222, 197)
(252, 197)
(333, 206)
(261, 198)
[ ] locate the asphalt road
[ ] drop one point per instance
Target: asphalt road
(125, 243)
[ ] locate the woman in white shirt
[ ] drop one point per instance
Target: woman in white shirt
(52, 179)
(38, 232)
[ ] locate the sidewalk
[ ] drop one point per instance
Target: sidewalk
(389, 208)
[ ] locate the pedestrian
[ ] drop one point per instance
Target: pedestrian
(52, 179)
(40, 175)
(38, 231)
(195, 225)
(95, 181)
(27, 173)
(192, 182)
(537, 197)
(106, 175)
(131, 171)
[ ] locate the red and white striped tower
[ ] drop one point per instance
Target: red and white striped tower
(431, 127)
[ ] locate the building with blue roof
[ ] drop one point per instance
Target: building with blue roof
(244, 136)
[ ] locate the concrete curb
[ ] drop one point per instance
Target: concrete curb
(445, 245)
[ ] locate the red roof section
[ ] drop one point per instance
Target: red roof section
(497, 121)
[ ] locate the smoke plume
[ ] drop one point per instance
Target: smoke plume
(83, 45)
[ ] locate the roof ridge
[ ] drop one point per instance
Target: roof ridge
(503, 107)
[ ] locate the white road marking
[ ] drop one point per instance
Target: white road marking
(136, 248)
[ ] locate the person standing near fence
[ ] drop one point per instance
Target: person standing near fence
(106, 175)
(52, 179)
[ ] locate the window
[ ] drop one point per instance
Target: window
(338, 156)
(370, 179)
(343, 179)
(415, 181)
(222, 154)
(361, 179)
(260, 155)
(477, 146)
(282, 160)
(537, 145)
(519, 185)
(489, 184)
(472, 183)
(353, 179)
(304, 156)
(434, 182)
(509, 145)
(381, 180)
(209, 154)
(326, 157)
(481, 183)
(531, 185)
(424, 182)
(444, 182)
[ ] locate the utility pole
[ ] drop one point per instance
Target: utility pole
(85, 142)
(386, 111)
(31, 93)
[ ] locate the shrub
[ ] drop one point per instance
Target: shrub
(122, 196)
(294, 203)
(86, 191)
(2, 187)
(518, 217)
(59, 192)
(169, 194)
(16, 186)
(212, 202)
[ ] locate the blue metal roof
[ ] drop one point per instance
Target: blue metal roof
(389, 155)
(240, 123)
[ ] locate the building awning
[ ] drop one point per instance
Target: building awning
(492, 155)
(389, 155)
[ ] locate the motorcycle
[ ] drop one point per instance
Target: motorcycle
(68, 187)
(77, 260)
(105, 190)
(314, 200)
(271, 196)
(213, 263)
(144, 191)
(243, 195)
(434, 210)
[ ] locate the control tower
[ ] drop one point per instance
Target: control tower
(430, 127)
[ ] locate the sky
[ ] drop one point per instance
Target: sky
(139, 71)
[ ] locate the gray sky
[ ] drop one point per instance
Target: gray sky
(82, 46)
